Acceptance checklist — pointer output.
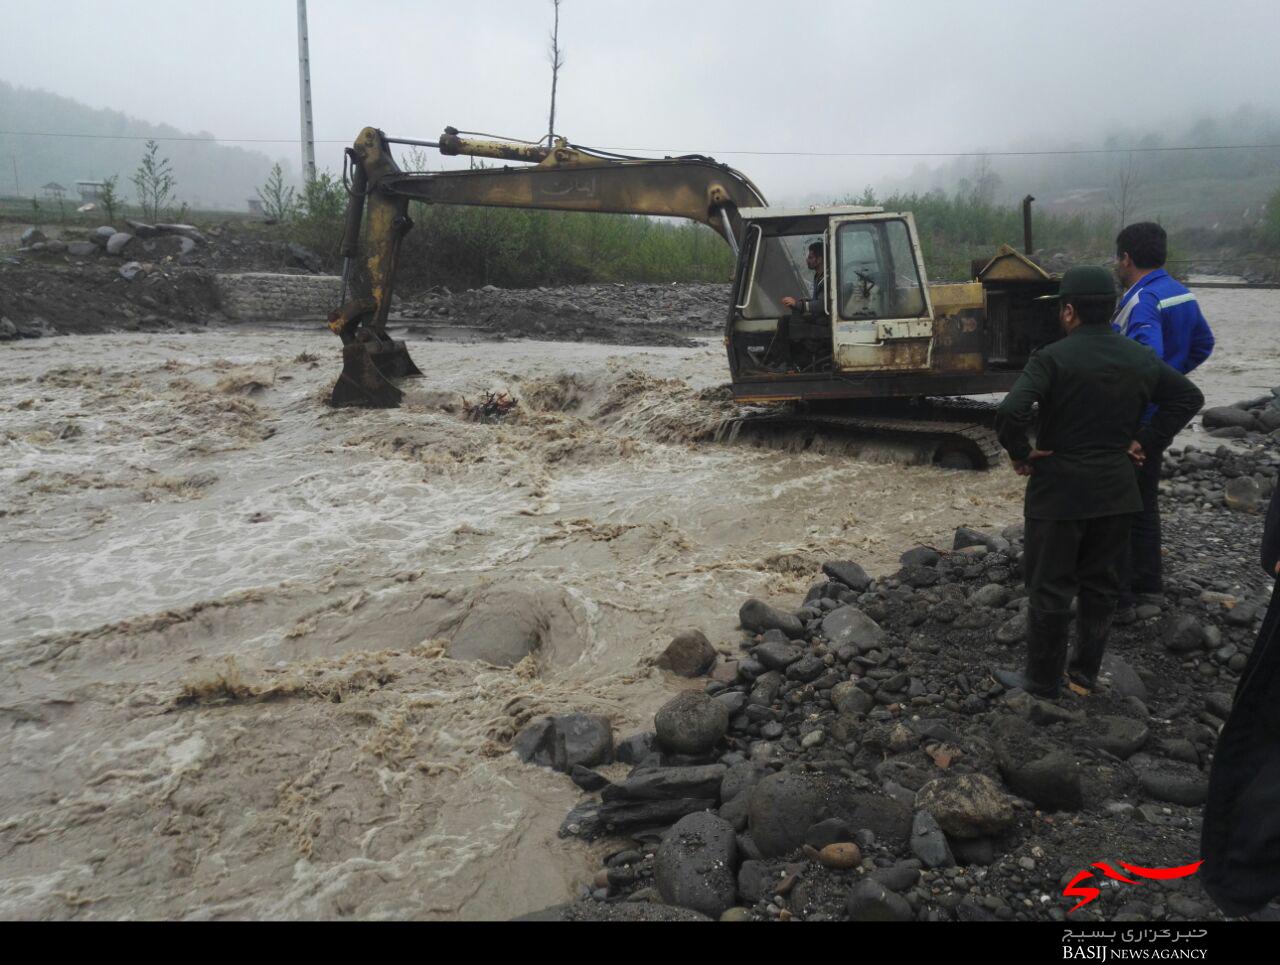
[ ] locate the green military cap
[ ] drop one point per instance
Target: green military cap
(1085, 281)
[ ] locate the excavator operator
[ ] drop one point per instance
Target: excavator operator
(803, 339)
(815, 306)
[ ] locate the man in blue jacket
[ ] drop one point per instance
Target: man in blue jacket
(1157, 312)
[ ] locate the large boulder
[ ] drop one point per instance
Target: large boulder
(32, 236)
(849, 573)
(1226, 416)
(501, 629)
(847, 626)
(696, 864)
(691, 723)
(756, 616)
(562, 741)
(118, 242)
(102, 235)
(967, 805)
(690, 654)
(782, 808)
(1243, 494)
(185, 230)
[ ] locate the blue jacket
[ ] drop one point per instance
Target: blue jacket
(1160, 313)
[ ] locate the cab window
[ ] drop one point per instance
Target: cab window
(877, 271)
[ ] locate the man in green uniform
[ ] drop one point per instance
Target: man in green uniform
(1092, 388)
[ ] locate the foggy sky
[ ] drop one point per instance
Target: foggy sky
(708, 76)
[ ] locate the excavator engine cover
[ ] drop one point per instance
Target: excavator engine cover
(367, 364)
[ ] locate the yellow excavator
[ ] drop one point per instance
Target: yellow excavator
(882, 351)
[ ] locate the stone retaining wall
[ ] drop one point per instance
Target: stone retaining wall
(262, 296)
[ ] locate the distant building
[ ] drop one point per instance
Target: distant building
(255, 207)
(90, 190)
(54, 191)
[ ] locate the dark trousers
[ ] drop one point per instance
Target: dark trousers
(1066, 557)
(1141, 569)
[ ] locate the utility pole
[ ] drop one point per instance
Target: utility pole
(304, 87)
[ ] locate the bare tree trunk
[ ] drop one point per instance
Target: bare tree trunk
(557, 61)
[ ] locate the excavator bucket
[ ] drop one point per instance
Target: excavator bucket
(367, 364)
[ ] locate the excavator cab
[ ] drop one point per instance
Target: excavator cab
(876, 314)
(884, 331)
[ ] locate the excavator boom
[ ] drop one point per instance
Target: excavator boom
(561, 177)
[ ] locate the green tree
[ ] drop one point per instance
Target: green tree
(278, 201)
(318, 217)
(154, 181)
(110, 200)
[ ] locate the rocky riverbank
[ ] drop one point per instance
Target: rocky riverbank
(855, 760)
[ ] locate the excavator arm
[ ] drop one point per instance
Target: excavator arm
(556, 177)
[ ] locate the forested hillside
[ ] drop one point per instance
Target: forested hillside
(208, 175)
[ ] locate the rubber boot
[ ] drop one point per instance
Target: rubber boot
(1093, 624)
(1046, 655)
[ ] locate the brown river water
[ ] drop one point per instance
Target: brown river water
(224, 605)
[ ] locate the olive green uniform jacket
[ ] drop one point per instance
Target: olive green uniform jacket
(1091, 388)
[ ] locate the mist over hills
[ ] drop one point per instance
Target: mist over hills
(1224, 190)
(208, 175)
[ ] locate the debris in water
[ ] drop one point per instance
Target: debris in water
(492, 408)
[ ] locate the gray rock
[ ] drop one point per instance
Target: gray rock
(992, 595)
(966, 537)
(102, 235)
(765, 689)
(830, 831)
(32, 236)
(739, 779)
(733, 700)
(777, 656)
(1125, 681)
(691, 723)
(967, 805)
(919, 577)
(185, 246)
(1182, 633)
(756, 616)
(1121, 736)
(1013, 630)
(696, 865)
(501, 629)
(1174, 785)
(8, 330)
(919, 556)
(898, 877)
(690, 654)
(590, 821)
(871, 901)
(82, 249)
(658, 783)
(849, 698)
(298, 256)
(1223, 417)
(117, 243)
(141, 229)
(587, 779)
(807, 669)
(1051, 782)
(849, 573)
(131, 270)
(637, 747)
(850, 627)
(754, 881)
(1243, 494)
(783, 806)
(565, 740)
(928, 843)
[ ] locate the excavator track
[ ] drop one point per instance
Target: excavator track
(951, 433)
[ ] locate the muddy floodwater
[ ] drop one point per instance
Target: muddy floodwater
(225, 607)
